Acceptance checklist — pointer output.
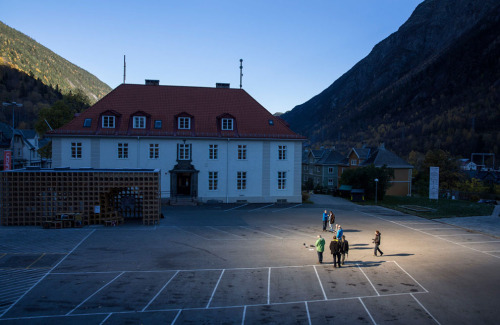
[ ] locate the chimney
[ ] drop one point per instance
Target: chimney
(150, 82)
(221, 85)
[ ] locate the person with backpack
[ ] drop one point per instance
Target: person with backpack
(335, 250)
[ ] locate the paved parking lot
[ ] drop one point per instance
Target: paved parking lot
(250, 264)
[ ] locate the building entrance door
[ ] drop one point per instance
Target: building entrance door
(184, 183)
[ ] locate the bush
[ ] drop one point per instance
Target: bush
(305, 196)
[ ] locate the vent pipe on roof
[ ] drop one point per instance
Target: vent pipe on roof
(150, 82)
(221, 85)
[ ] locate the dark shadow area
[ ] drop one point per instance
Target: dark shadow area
(401, 254)
(356, 245)
(351, 230)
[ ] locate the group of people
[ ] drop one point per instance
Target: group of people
(339, 246)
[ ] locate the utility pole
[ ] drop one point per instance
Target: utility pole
(14, 105)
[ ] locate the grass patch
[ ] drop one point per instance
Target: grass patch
(432, 209)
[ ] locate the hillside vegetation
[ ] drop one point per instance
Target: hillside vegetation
(433, 84)
(24, 54)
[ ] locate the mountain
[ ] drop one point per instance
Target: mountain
(432, 84)
(22, 53)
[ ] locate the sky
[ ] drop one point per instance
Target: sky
(292, 50)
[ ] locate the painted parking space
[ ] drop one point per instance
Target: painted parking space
(340, 311)
(346, 282)
(187, 289)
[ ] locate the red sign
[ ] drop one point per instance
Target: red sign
(7, 160)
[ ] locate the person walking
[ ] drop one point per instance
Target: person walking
(325, 220)
(335, 250)
(332, 220)
(340, 232)
(320, 248)
(344, 248)
(376, 241)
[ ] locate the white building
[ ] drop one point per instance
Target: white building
(209, 143)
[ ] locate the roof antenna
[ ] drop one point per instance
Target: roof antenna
(241, 72)
(124, 69)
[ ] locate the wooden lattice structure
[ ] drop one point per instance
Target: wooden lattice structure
(29, 197)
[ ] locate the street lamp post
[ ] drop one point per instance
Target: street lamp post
(376, 182)
(14, 105)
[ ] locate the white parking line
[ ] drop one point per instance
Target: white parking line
(367, 311)
(87, 299)
(265, 206)
(216, 285)
(410, 276)
(308, 314)
(239, 206)
(158, 293)
(378, 294)
(269, 287)
(425, 309)
(262, 232)
(298, 205)
(227, 232)
(320, 284)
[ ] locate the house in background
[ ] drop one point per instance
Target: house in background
(23, 144)
(209, 143)
(379, 157)
(325, 167)
(321, 167)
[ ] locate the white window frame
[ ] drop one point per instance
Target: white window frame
(108, 122)
(281, 180)
(139, 122)
(354, 162)
(227, 124)
(241, 180)
(282, 152)
(330, 170)
(213, 181)
(184, 123)
(242, 152)
(122, 150)
(330, 182)
(76, 150)
(154, 151)
(183, 151)
(213, 151)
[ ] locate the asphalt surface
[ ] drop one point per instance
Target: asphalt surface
(253, 264)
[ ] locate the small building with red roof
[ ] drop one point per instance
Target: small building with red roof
(209, 143)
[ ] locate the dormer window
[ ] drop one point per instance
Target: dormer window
(108, 122)
(139, 122)
(184, 123)
(157, 124)
(227, 124)
(87, 123)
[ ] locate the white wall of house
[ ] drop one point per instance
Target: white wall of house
(262, 164)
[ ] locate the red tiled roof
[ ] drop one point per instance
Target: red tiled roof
(164, 103)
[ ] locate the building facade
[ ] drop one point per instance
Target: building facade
(209, 143)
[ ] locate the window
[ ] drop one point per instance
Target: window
(281, 180)
(306, 167)
(282, 152)
(330, 182)
(139, 122)
(122, 150)
(354, 162)
(242, 152)
(76, 150)
(183, 151)
(158, 124)
(241, 180)
(87, 123)
(318, 169)
(213, 179)
(154, 151)
(227, 124)
(330, 170)
(213, 151)
(184, 123)
(108, 122)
